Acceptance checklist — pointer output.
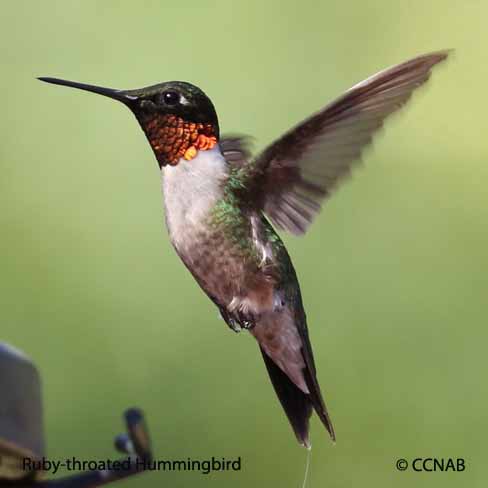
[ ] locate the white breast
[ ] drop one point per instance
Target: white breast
(190, 191)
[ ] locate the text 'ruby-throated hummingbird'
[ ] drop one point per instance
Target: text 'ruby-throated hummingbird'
(218, 200)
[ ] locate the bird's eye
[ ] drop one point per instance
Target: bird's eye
(171, 97)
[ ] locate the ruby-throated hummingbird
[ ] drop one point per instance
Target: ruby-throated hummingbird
(218, 200)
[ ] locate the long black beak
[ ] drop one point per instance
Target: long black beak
(120, 95)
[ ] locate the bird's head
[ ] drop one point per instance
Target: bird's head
(177, 117)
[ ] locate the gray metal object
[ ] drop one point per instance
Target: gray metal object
(21, 421)
(21, 432)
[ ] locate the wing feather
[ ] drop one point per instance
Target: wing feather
(291, 178)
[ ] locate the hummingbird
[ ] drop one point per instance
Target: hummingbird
(223, 207)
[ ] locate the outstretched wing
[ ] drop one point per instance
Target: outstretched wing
(291, 177)
(236, 149)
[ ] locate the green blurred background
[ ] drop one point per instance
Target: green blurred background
(393, 273)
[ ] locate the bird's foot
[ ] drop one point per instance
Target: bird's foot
(238, 320)
(234, 325)
(247, 321)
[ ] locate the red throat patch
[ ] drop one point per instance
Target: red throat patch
(172, 138)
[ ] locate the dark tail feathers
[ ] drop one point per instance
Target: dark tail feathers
(298, 405)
